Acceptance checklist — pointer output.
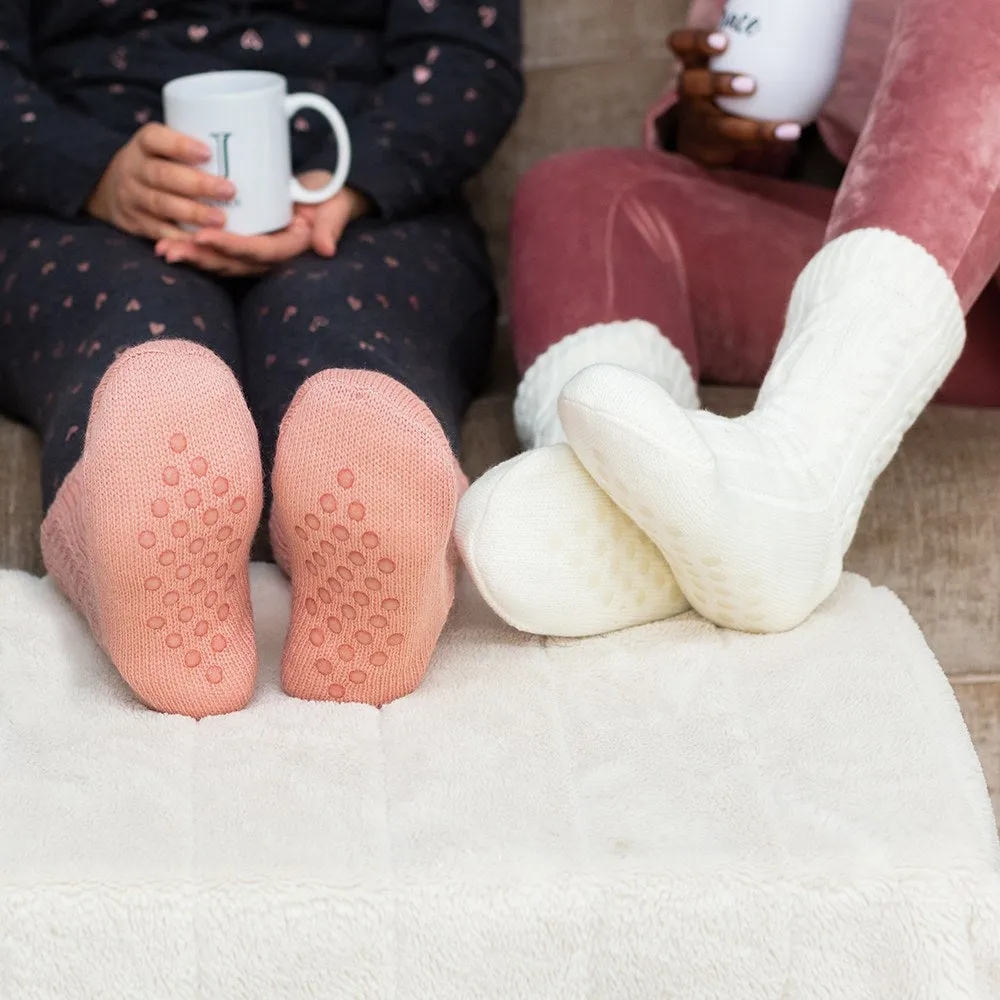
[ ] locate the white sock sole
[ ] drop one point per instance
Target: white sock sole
(553, 555)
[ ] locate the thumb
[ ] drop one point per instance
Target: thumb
(331, 221)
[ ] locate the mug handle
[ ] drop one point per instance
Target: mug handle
(299, 102)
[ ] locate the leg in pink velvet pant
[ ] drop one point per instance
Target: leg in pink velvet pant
(754, 516)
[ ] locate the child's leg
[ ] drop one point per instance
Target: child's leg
(151, 463)
(382, 348)
(646, 261)
(75, 297)
(755, 515)
(928, 163)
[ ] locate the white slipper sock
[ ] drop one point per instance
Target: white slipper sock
(755, 515)
(548, 550)
(634, 344)
(553, 555)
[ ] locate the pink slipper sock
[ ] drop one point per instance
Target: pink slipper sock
(149, 535)
(365, 491)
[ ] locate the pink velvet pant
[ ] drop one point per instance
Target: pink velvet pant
(711, 258)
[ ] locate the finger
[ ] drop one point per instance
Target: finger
(180, 210)
(169, 244)
(269, 249)
(162, 175)
(695, 48)
(329, 225)
(745, 130)
(158, 140)
(155, 228)
(207, 259)
(705, 83)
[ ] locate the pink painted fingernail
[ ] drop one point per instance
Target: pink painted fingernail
(717, 41)
(743, 85)
(788, 132)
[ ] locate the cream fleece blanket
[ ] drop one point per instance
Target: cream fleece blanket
(674, 811)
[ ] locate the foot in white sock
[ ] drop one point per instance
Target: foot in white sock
(754, 515)
(634, 344)
(549, 551)
(552, 555)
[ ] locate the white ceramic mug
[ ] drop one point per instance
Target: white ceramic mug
(243, 117)
(791, 48)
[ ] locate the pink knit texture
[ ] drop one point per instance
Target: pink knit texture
(149, 536)
(365, 492)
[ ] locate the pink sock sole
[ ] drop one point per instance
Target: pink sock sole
(150, 535)
(365, 491)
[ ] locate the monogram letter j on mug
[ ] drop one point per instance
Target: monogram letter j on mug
(792, 48)
(243, 117)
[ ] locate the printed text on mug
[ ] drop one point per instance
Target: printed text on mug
(740, 24)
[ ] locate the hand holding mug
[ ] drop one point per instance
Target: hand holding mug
(316, 227)
(713, 137)
(153, 185)
(244, 118)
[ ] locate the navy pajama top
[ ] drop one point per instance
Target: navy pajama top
(428, 87)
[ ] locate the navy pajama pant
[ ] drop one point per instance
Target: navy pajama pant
(413, 299)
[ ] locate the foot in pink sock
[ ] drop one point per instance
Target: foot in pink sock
(365, 491)
(149, 536)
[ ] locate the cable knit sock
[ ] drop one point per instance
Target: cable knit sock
(755, 515)
(634, 344)
(549, 552)
(553, 555)
(365, 490)
(149, 535)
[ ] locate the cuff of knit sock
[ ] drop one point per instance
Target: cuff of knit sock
(884, 282)
(885, 264)
(633, 344)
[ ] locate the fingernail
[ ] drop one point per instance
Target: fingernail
(200, 151)
(788, 132)
(225, 190)
(217, 217)
(743, 85)
(717, 41)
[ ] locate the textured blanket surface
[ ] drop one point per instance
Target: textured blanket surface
(674, 811)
